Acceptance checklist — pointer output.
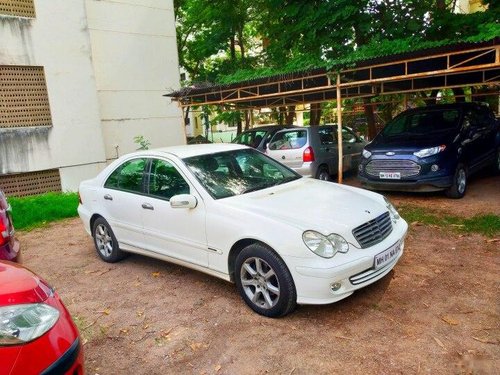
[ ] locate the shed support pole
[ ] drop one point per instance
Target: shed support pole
(339, 130)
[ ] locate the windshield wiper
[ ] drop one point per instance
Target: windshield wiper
(255, 188)
(287, 179)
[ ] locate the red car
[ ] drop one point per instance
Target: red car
(9, 246)
(37, 334)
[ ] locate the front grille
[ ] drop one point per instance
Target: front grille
(373, 231)
(407, 168)
(370, 274)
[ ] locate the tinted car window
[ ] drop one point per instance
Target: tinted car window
(237, 172)
(326, 136)
(250, 138)
(165, 181)
(127, 176)
(292, 139)
(348, 136)
(423, 122)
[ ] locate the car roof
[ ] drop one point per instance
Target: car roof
(461, 105)
(186, 151)
(270, 127)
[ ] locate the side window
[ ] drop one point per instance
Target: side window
(348, 136)
(165, 181)
(293, 139)
(326, 136)
(127, 177)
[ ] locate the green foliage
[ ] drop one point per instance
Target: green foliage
(142, 142)
(38, 210)
(488, 225)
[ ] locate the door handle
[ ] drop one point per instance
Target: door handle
(147, 206)
(108, 197)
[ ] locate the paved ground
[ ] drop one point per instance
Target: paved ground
(437, 312)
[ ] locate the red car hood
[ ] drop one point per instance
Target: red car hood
(19, 285)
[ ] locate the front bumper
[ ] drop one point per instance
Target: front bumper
(421, 185)
(354, 270)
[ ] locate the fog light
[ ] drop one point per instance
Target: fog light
(335, 286)
(434, 167)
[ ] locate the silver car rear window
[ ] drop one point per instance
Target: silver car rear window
(289, 140)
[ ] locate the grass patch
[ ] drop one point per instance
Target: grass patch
(38, 210)
(487, 225)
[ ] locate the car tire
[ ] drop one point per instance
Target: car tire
(264, 281)
(105, 242)
(323, 174)
(457, 190)
(496, 166)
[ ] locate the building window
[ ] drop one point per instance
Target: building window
(23, 97)
(31, 183)
(17, 8)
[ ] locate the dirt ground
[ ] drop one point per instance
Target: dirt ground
(437, 312)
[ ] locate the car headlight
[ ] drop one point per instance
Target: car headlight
(366, 154)
(324, 246)
(22, 323)
(392, 210)
(429, 151)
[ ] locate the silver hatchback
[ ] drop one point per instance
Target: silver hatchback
(313, 151)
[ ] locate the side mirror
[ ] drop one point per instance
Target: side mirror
(183, 201)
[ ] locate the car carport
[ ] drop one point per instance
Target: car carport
(444, 67)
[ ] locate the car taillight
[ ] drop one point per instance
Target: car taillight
(4, 231)
(308, 154)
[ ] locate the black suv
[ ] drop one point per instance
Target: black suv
(432, 148)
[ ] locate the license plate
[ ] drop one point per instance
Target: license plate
(390, 175)
(387, 256)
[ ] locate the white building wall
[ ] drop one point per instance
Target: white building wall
(134, 54)
(57, 40)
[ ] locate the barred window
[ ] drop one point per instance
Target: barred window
(23, 97)
(17, 8)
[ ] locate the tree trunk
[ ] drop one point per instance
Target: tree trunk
(459, 95)
(233, 48)
(281, 115)
(240, 42)
(315, 115)
(370, 118)
(290, 115)
(186, 116)
(247, 120)
(238, 125)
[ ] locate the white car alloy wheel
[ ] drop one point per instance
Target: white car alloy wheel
(264, 281)
(260, 282)
(105, 242)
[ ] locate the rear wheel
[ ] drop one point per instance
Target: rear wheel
(264, 282)
(105, 242)
(323, 174)
(457, 190)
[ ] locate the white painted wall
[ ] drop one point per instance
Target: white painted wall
(107, 64)
(134, 54)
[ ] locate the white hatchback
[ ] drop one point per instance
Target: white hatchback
(234, 213)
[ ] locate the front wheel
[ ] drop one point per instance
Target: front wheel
(457, 190)
(264, 282)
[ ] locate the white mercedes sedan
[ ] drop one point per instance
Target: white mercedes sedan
(234, 213)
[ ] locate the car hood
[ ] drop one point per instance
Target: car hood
(310, 204)
(409, 143)
(19, 285)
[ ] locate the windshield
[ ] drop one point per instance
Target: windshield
(230, 173)
(250, 138)
(423, 122)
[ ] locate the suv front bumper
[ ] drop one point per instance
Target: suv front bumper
(421, 185)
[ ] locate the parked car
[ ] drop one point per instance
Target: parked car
(9, 245)
(37, 335)
(313, 151)
(233, 212)
(259, 137)
(432, 148)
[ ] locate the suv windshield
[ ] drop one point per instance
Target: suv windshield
(229, 173)
(423, 122)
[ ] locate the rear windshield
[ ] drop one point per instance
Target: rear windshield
(423, 122)
(288, 140)
(250, 138)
